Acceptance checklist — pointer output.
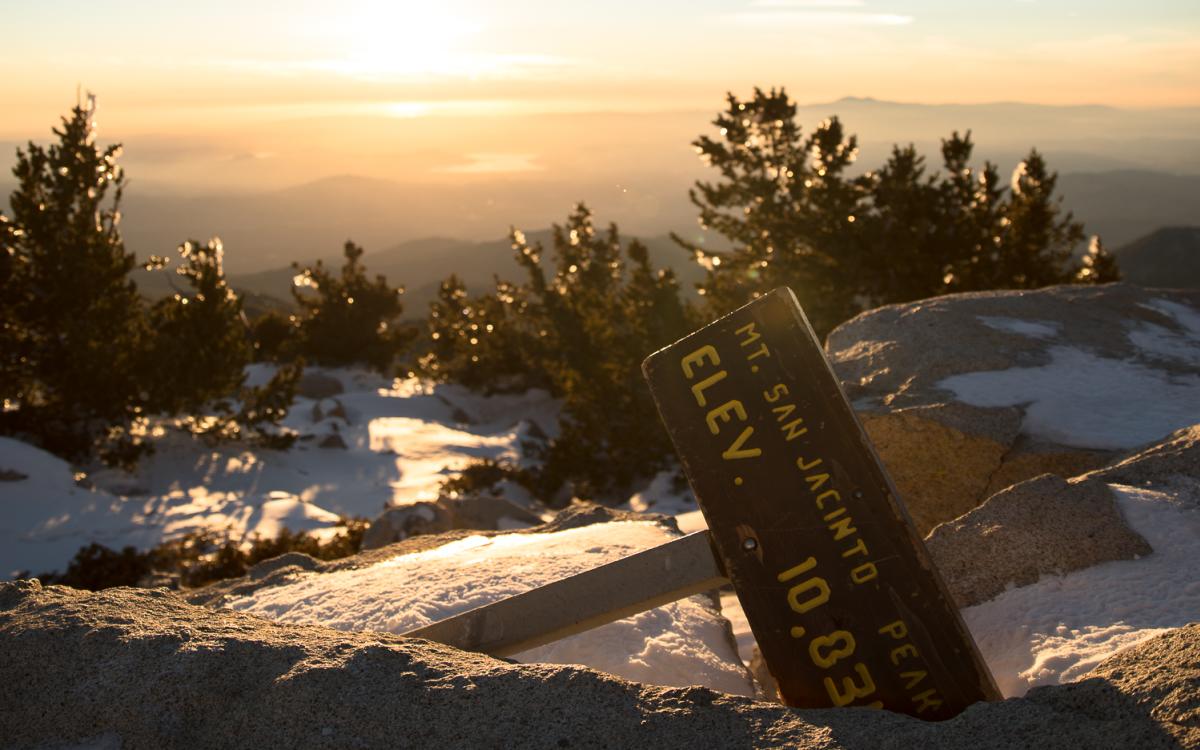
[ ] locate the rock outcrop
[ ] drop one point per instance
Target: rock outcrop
(444, 514)
(1043, 526)
(133, 668)
(967, 394)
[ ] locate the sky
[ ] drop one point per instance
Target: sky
(192, 66)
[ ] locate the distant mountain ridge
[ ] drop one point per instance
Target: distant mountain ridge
(1168, 257)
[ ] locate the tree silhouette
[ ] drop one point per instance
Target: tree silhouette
(77, 317)
(793, 216)
(84, 362)
(348, 318)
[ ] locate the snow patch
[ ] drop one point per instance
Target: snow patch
(1060, 628)
(1086, 401)
(403, 439)
(662, 496)
(1030, 328)
(1159, 342)
(679, 644)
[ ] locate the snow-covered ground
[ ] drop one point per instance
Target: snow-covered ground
(402, 440)
(1058, 629)
(683, 643)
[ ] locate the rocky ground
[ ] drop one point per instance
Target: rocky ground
(136, 668)
(1048, 442)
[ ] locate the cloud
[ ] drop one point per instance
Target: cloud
(492, 163)
(807, 3)
(813, 14)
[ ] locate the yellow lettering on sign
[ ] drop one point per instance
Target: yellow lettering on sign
(722, 413)
(820, 594)
(779, 391)
(800, 464)
(698, 388)
(815, 481)
(842, 528)
(851, 691)
(907, 650)
(794, 571)
(926, 700)
(825, 653)
(782, 412)
(760, 352)
(836, 513)
(794, 429)
(858, 549)
(912, 679)
(896, 629)
(816, 583)
(864, 573)
(837, 498)
(696, 359)
(749, 334)
(736, 450)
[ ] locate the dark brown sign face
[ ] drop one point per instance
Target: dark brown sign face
(835, 582)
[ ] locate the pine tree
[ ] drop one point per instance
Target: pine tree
(971, 213)
(1098, 265)
(1035, 244)
(784, 203)
(348, 318)
(84, 362)
(794, 217)
(78, 317)
(196, 362)
(590, 310)
(201, 325)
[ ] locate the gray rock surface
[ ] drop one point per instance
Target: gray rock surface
(1050, 525)
(147, 670)
(1046, 525)
(947, 456)
(1158, 465)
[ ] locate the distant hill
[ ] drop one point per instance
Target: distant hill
(1124, 205)
(1168, 257)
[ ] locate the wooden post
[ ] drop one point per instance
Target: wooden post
(838, 589)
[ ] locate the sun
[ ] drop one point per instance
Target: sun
(403, 38)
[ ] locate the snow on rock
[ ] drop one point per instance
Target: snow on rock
(1037, 329)
(966, 394)
(1085, 401)
(683, 643)
(1054, 628)
(1060, 628)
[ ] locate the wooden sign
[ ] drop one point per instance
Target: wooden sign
(836, 585)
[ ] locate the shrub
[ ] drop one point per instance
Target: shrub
(348, 318)
(197, 559)
(580, 325)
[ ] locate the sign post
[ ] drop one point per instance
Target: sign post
(846, 606)
(835, 582)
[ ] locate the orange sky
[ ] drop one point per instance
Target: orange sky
(158, 66)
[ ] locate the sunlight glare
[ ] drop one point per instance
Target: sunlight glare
(409, 38)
